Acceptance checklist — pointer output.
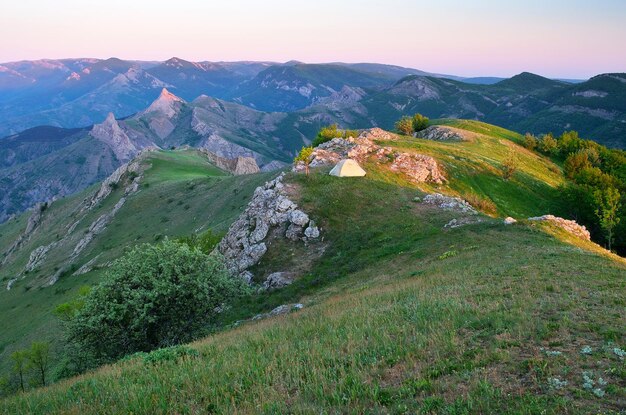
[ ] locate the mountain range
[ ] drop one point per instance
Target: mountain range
(73, 122)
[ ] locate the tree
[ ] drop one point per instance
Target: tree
(304, 157)
(419, 122)
(20, 361)
(575, 162)
(154, 296)
(530, 141)
(405, 125)
(39, 359)
(607, 212)
(548, 145)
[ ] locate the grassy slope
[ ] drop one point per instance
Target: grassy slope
(393, 324)
(181, 193)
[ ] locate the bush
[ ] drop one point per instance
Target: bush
(548, 145)
(332, 131)
(326, 134)
(419, 122)
(530, 141)
(509, 167)
(154, 296)
(205, 242)
(405, 125)
(304, 156)
(576, 162)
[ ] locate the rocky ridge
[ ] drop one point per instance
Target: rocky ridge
(418, 167)
(269, 214)
(570, 226)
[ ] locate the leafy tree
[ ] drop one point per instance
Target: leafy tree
(575, 162)
(569, 143)
(530, 141)
(39, 359)
(405, 125)
(607, 212)
(305, 157)
(419, 122)
(154, 296)
(20, 364)
(548, 145)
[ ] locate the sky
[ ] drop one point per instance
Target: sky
(554, 38)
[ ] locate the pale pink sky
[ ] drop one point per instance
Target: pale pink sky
(555, 38)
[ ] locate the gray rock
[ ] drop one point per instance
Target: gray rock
(570, 226)
(298, 217)
(270, 208)
(312, 231)
(278, 280)
(509, 221)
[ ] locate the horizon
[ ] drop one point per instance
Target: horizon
(440, 74)
(564, 39)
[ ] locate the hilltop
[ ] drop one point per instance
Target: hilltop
(404, 304)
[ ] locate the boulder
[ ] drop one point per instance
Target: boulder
(509, 221)
(570, 226)
(278, 280)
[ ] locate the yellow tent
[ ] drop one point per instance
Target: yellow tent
(347, 168)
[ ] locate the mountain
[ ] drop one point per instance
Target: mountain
(410, 300)
(45, 163)
(293, 87)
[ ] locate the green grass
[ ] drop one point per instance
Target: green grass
(180, 194)
(393, 325)
(401, 315)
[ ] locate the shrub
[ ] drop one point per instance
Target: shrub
(575, 162)
(205, 242)
(530, 141)
(332, 131)
(548, 145)
(419, 122)
(509, 166)
(154, 296)
(326, 134)
(305, 157)
(405, 125)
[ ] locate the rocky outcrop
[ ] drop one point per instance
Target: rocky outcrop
(269, 212)
(449, 203)
(110, 183)
(441, 133)
(570, 226)
(417, 167)
(278, 280)
(110, 133)
(237, 166)
(281, 309)
(33, 223)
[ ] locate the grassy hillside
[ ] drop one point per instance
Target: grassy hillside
(401, 314)
(180, 194)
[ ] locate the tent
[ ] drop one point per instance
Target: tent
(347, 168)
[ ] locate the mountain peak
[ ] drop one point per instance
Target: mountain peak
(110, 119)
(167, 104)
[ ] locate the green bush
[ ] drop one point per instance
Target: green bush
(405, 125)
(419, 122)
(154, 296)
(205, 242)
(530, 141)
(332, 131)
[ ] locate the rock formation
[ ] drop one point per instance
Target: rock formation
(269, 212)
(418, 167)
(237, 166)
(570, 226)
(442, 133)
